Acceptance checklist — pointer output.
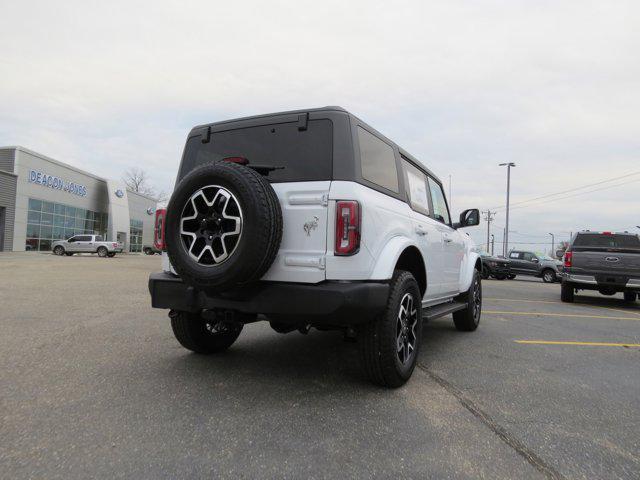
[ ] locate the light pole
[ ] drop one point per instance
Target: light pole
(506, 228)
(552, 245)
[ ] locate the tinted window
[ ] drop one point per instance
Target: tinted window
(416, 185)
(440, 210)
(83, 238)
(305, 155)
(377, 161)
(515, 255)
(528, 256)
(606, 241)
(99, 238)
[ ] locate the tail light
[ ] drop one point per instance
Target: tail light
(158, 231)
(568, 259)
(347, 227)
(114, 245)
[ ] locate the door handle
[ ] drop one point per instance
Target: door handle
(447, 239)
(420, 230)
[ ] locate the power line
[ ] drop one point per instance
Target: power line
(573, 189)
(577, 194)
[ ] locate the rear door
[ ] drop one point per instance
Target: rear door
(295, 154)
(426, 231)
(516, 261)
(452, 245)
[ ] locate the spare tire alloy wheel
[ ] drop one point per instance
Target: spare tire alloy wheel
(223, 226)
(211, 225)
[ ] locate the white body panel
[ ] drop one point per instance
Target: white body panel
(388, 227)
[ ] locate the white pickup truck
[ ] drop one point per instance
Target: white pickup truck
(86, 244)
(312, 219)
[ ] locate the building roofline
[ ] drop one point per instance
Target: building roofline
(11, 174)
(53, 160)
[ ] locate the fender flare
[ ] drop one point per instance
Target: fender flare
(388, 257)
(466, 272)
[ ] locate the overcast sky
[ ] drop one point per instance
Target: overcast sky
(553, 86)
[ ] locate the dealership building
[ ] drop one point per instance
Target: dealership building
(43, 200)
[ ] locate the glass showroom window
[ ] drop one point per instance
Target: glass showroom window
(135, 235)
(48, 222)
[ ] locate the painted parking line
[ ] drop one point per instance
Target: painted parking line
(519, 300)
(586, 344)
(544, 314)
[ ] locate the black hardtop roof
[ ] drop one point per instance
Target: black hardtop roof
(330, 108)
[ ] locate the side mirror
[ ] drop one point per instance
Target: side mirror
(468, 218)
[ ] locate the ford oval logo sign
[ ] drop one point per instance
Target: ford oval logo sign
(150, 211)
(119, 193)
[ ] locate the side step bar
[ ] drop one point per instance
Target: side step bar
(437, 311)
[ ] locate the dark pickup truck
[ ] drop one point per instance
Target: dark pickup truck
(604, 261)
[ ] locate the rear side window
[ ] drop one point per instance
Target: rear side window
(377, 161)
(99, 238)
(300, 155)
(515, 255)
(440, 209)
(416, 186)
(598, 240)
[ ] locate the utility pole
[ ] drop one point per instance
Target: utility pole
(488, 216)
(450, 197)
(506, 228)
(493, 243)
(504, 250)
(553, 253)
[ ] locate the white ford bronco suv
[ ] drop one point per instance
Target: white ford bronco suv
(312, 219)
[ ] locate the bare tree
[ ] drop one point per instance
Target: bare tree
(137, 180)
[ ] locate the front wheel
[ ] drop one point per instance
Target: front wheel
(467, 319)
(59, 250)
(548, 276)
(201, 335)
(389, 345)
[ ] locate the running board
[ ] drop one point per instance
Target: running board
(437, 311)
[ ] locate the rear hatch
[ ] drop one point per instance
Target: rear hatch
(604, 253)
(298, 164)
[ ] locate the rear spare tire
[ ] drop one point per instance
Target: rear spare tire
(223, 226)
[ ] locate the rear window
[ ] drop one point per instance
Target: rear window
(304, 155)
(378, 161)
(597, 240)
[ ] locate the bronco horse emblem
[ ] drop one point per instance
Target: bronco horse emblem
(311, 225)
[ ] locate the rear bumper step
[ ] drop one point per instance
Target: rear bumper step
(328, 302)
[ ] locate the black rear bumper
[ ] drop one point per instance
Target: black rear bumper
(329, 302)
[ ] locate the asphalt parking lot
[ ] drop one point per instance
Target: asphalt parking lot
(93, 384)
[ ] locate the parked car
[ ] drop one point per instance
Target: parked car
(529, 263)
(314, 219)
(86, 244)
(604, 261)
(495, 267)
(151, 250)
